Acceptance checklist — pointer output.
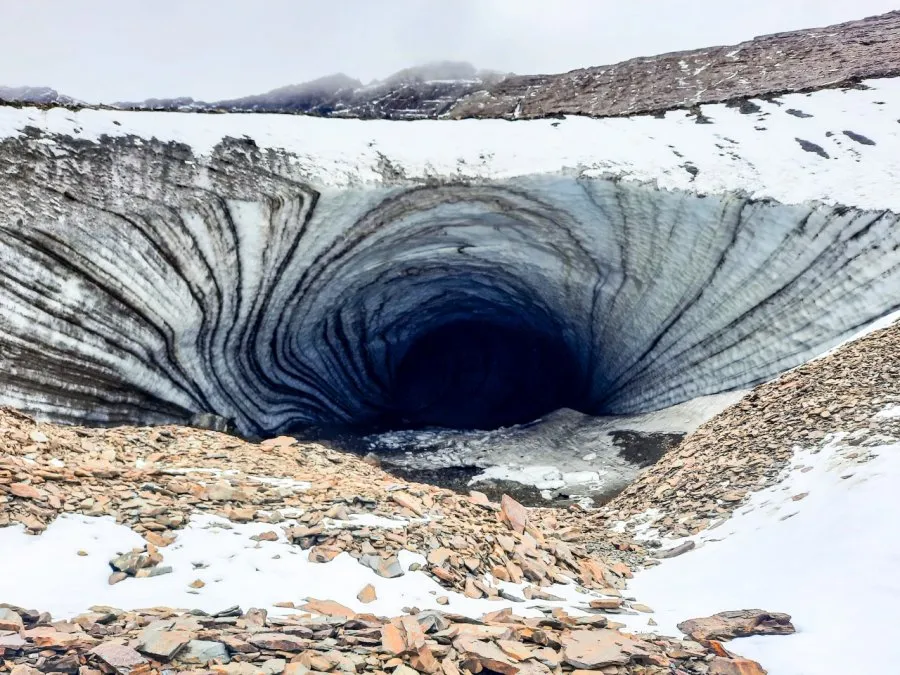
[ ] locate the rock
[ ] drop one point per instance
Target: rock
(407, 501)
(367, 594)
(163, 644)
(197, 583)
(295, 668)
(23, 669)
(11, 642)
(120, 658)
(116, 577)
(222, 491)
(255, 618)
(472, 591)
(606, 603)
(203, 652)
(279, 442)
(725, 666)
(393, 641)
(513, 514)
(10, 620)
(274, 666)
(159, 540)
(405, 670)
(515, 650)
(480, 499)
(265, 536)
(131, 562)
(327, 608)
(439, 556)
(535, 668)
(157, 571)
(389, 568)
(278, 642)
(486, 654)
(324, 554)
(237, 668)
(598, 648)
(52, 638)
(676, 550)
(26, 491)
(535, 593)
(213, 422)
(740, 623)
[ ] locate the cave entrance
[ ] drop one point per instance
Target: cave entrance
(477, 374)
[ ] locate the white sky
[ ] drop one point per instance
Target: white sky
(107, 50)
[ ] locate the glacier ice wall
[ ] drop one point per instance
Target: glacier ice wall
(143, 278)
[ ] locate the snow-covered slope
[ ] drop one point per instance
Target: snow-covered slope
(276, 270)
(817, 546)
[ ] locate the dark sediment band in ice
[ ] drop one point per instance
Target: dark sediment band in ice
(139, 282)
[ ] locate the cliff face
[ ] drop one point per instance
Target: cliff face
(283, 271)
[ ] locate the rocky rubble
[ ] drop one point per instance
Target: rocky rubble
(232, 642)
(154, 479)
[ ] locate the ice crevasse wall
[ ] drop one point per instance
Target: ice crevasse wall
(283, 271)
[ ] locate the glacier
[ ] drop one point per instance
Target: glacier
(284, 271)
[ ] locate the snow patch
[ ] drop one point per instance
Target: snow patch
(46, 572)
(890, 412)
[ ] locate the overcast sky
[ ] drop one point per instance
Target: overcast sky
(108, 50)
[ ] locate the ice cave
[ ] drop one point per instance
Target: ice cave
(287, 272)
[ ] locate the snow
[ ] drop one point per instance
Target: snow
(45, 572)
(540, 476)
(829, 559)
(890, 412)
(578, 453)
(756, 153)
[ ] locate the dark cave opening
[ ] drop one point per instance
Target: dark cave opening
(478, 374)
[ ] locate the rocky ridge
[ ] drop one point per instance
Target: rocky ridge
(798, 61)
(770, 65)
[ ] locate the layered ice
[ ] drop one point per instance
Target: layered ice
(285, 271)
